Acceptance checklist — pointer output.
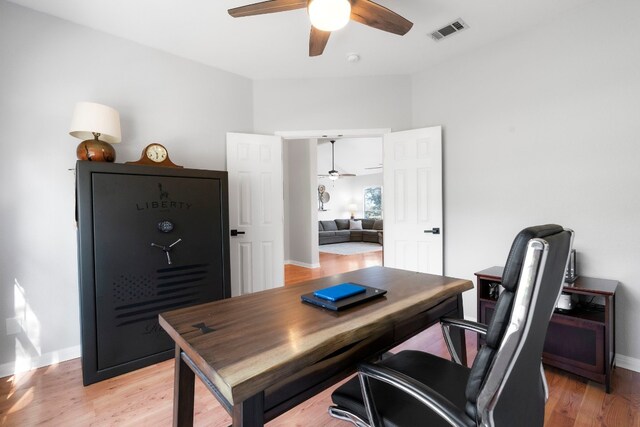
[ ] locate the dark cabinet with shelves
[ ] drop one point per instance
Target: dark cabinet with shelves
(580, 340)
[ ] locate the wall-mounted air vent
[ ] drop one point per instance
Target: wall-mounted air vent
(449, 29)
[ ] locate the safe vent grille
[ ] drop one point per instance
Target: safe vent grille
(449, 29)
(133, 288)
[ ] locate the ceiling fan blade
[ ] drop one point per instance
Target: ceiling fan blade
(372, 14)
(317, 41)
(270, 6)
(347, 174)
(374, 167)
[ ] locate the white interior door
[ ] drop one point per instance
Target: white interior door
(412, 179)
(254, 164)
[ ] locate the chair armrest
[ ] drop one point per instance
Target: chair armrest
(447, 322)
(423, 393)
(480, 328)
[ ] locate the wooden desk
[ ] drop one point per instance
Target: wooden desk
(263, 353)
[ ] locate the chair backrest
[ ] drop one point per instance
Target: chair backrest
(505, 385)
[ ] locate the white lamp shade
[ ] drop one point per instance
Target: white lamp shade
(90, 118)
(329, 15)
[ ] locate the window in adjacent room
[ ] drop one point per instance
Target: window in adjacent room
(373, 202)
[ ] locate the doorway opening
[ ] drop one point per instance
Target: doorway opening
(356, 194)
(350, 202)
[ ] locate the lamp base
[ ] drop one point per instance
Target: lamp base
(95, 150)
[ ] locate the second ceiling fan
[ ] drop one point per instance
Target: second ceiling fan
(322, 12)
(333, 174)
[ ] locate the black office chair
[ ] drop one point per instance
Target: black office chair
(506, 384)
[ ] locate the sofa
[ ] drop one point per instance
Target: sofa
(338, 231)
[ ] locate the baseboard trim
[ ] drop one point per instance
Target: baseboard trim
(302, 264)
(626, 362)
(46, 359)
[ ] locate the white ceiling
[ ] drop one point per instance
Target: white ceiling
(276, 45)
(352, 155)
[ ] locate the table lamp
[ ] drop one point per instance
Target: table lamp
(352, 208)
(99, 126)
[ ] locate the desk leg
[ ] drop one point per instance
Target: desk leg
(249, 413)
(183, 390)
(457, 334)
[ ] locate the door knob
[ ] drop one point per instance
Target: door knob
(434, 230)
(236, 232)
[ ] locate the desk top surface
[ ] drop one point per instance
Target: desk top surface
(252, 341)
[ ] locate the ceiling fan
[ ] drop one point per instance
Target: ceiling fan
(333, 174)
(331, 15)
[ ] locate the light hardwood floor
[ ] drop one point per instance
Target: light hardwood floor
(54, 395)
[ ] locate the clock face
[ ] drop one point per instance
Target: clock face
(156, 153)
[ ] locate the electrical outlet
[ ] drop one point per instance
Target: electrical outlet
(14, 326)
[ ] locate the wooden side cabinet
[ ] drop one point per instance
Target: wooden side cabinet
(580, 340)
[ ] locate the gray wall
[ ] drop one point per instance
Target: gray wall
(544, 127)
(48, 65)
(301, 236)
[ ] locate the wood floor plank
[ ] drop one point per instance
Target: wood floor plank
(590, 408)
(54, 395)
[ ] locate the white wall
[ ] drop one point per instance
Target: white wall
(48, 65)
(545, 127)
(538, 128)
(345, 191)
(340, 103)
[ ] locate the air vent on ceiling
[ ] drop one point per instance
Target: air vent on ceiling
(449, 29)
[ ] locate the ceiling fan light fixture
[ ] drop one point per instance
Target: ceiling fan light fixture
(329, 15)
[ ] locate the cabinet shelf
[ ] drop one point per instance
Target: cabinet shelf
(580, 340)
(595, 316)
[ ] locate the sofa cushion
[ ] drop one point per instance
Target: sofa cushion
(323, 240)
(367, 223)
(355, 225)
(346, 233)
(370, 236)
(329, 225)
(356, 235)
(327, 233)
(377, 224)
(343, 224)
(320, 227)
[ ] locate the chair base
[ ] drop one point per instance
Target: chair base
(341, 414)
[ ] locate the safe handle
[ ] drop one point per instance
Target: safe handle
(434, 230)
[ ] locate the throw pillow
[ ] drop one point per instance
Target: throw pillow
(355, 225)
